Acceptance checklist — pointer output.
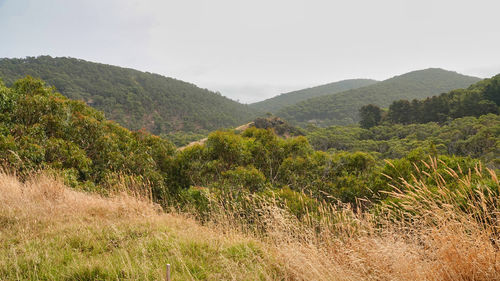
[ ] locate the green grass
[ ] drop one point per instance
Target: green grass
(137, 251)
(100, 239)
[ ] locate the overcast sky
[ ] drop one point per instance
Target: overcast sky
(254, 49)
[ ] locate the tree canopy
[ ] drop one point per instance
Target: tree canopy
(42, 129)
(132, 98)
(343, 108)
(370, 116)
(479, 99)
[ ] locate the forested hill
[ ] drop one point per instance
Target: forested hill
(133, 98)
(343, 108)
(278, 102)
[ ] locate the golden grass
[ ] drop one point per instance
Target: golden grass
(50, 232)
(430, 232)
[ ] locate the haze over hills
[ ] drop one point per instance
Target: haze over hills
(342, 108)
(278, 102)
(133, 98)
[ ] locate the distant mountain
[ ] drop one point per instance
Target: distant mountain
(278, 102)
(342, 108)
(133, 98)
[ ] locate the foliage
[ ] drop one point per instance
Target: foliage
(276, 103)
(41, 129)
(490, 89)
(278, 125)
(479, 99)
(132, 98)
(342, 108)
(258, 160)
(370, 116)
(476, 137)
(245, 177)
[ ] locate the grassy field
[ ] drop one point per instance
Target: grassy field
(50, 232)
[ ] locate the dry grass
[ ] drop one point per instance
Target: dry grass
(444, 231)
(50, 232)
(45, 198)
(430, 232)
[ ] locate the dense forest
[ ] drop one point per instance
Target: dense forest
(132, 98)
(342, 108)
(41, 129)
(276, 103)
(462, 122)
(475, 137)
(479, 99)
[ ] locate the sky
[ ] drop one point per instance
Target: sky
(255, 49)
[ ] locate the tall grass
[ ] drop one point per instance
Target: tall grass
(440, 224)
(51, 232)
(428, 229)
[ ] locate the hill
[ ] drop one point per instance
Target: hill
(479, 99)
(63, 234)
(343, 108)
(278, 102)
(132, 98)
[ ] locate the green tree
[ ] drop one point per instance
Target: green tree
(399, 112)
(370, 116)
(492, 90)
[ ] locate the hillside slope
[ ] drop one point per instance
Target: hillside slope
(278, 102)
(342, 108)
(132, 98)
(62, 234)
